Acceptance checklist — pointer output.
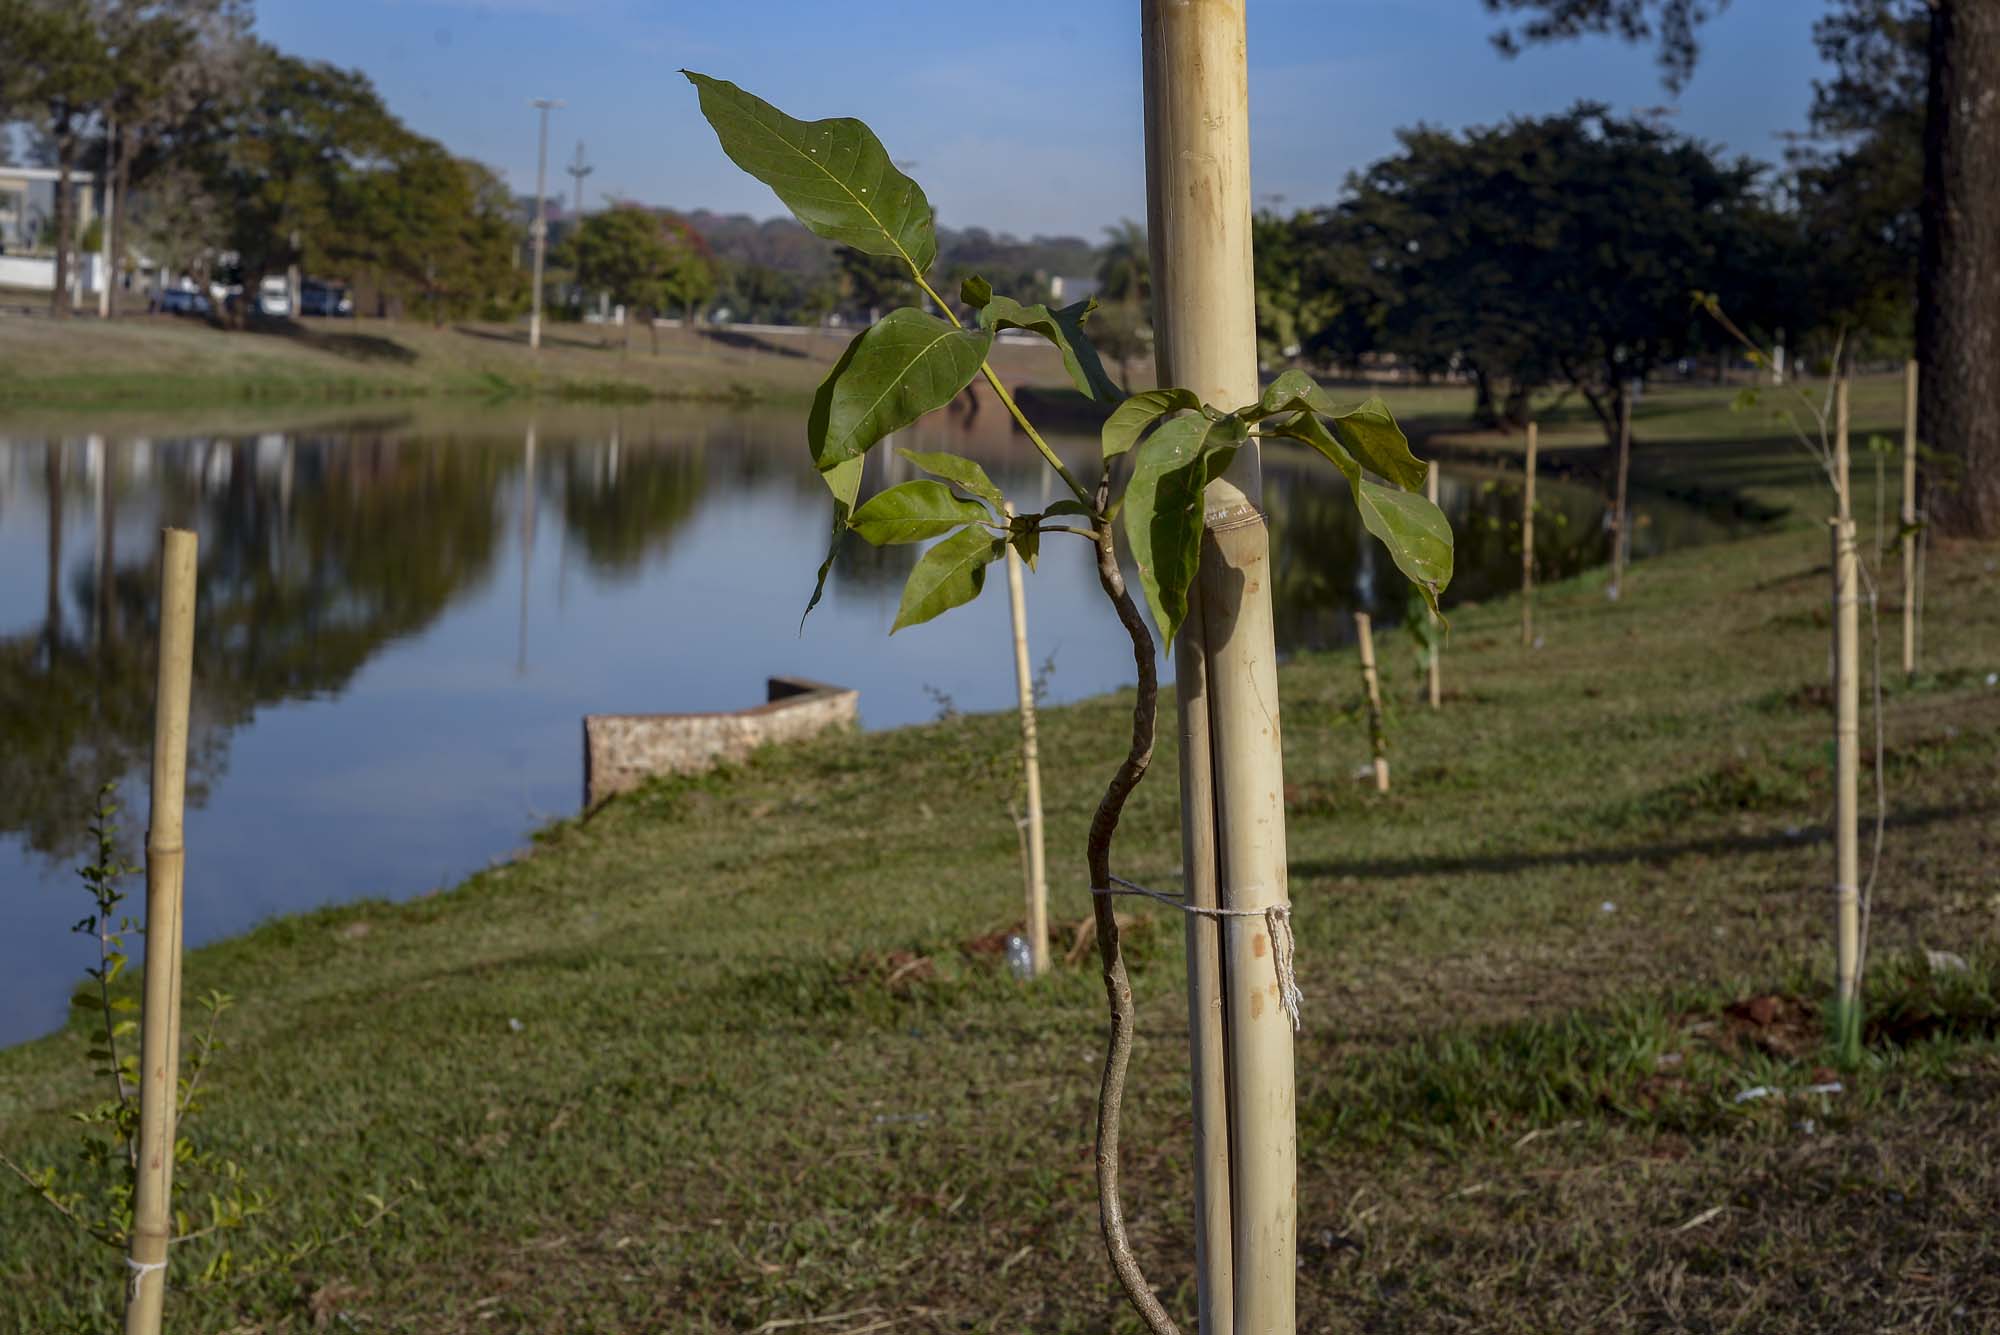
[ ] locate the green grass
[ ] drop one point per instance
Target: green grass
(164, 363)
(767, 1066)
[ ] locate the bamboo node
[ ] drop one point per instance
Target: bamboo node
(1277, 920)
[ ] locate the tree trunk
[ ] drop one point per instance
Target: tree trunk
(1958, 305)
(64, 220)
(1514, 409)
(1483, 411)
(125, 150)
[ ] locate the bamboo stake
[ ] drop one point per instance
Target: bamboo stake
(1618, 515)
(1031, 769)
(1909, 519)
(159, 1042)
(1198, 210)
(1847, 743)
(1528, 546)
(1437, 650)
(1365, 632)
(1207, 1076)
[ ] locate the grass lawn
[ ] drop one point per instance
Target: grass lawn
(739, 1052)
(162, 362)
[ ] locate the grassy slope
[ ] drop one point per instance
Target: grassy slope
(765, 1071)
(163, 362)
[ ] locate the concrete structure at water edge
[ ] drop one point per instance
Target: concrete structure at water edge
(622, 751)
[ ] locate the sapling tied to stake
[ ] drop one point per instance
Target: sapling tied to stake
(1160, 450)
(1827, 442)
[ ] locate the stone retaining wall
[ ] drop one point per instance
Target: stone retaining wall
(622, 751)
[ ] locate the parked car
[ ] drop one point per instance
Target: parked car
(181, 301)
(274, 297)
(326, 299)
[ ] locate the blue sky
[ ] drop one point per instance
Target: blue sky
(1027, 118)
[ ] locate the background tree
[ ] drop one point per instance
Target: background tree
(645, 263)
(870, 284)
(53, 69)
(1123, 326)
(292, 164)
(1552, 251)
(438, 230)
(174, 63)
(1958, 288)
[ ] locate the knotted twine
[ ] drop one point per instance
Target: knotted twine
(1277, 920)
(141, 1269)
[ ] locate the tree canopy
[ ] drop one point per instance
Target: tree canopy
(1560, 250)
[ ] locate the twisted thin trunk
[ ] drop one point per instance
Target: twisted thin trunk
(1117, 986)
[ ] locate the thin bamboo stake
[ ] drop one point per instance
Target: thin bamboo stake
(1846, 742)
(1847, 773)
(1198, 210)
(1528, 545)
(1031, 770)
(1437, 650)
(1909, 519)
(1619, 518)
(159, 1041)
(1208, 1076)
(1364, 631)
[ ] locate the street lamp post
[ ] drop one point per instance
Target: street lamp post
(541, 228)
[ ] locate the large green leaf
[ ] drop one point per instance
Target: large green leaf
(1130, 419)
(961, 472)
(912, 512)
(1367, 430)
(896, 370)
(1415, 531)
(1062, 327)
(844, 481)
(951, 573)
(834, 175)
(1163, 509)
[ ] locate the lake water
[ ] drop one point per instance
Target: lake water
(404, 617)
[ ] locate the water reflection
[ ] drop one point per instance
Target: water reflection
(401, 621)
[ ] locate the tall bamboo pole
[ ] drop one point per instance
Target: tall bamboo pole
(1619, 518)
(1364, 632)
(1031, 770)
(1198, 209)
(1909, 519)
(159, 1032)
(1436, 655)
(1528, 546)
(1847, 744)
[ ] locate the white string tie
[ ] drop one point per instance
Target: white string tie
(141, 1269)
(1277, 921)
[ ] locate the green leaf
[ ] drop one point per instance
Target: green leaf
(834, 175)
(961, 472)
(1416, 532)
(1367, 430)
(1163, 509)
(896, 370)
(950, 574)
(1068, 507)
(1130, 419)
(1062, 327)
(1370, 433)
(1025, 533)
(844, 481)
(913, 512)
(975, 291)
